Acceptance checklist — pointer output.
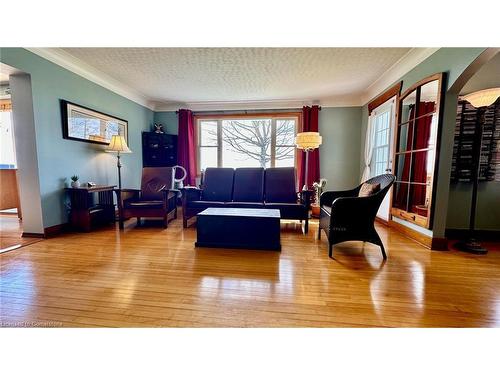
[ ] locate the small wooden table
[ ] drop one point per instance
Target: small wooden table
(242, 228)
(86, 211)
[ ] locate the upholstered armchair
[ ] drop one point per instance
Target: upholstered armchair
(156, 197)
(345, 216)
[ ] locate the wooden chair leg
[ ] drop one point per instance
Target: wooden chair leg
(165, 221)
(330, 250)
(319, 233)
(306, 227)
(138, 221)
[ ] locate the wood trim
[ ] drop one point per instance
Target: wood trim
(480, 234)
(385, 96)
(434, 77)
(215, 116)
(432, 243)
(33, 235)
(381, 221)
(55, 230)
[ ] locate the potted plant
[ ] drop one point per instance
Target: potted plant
(74, 181)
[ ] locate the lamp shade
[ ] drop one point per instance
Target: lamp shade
(118, 144)
(308, 140)
(483, 98)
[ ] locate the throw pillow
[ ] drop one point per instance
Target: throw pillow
(368, 189)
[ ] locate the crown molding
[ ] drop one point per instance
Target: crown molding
(71, 63)
(410, 60)
(406, 63)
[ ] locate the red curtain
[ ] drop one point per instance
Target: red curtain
(310, 117)
(186, 145)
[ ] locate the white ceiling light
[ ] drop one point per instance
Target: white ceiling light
(483, 98)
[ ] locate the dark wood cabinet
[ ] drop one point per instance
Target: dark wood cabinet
(159, 150)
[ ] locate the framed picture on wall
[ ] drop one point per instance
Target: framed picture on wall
(88, 125)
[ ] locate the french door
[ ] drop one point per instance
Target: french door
(382, 120)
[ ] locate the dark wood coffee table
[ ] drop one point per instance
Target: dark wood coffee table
(242, 228)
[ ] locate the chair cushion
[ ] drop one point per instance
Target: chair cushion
(218, 184)
(280, 185)
(368, 189)
(205, 204)
(143, 204)
(244, 204)
(248, 185)
(154, 180)
(288, 210)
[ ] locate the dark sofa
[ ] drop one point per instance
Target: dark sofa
(271, 188)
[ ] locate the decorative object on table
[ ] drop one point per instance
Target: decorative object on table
(178, 182)
(88, 125)
(156, 197)
(74, 181)
(481, 100)
(91, 184)
(159, 149)
(347, 216)
(318, 187)
(246, 188)
(118, 145)
(307, 141)
(86, 211)
(158, 128)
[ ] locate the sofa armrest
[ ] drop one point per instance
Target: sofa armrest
(190, 194)
(327, 197)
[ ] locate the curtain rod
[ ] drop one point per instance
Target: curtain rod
(246, 111)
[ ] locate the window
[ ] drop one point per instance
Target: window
(7, 146)
(247, 141)
(381, 140)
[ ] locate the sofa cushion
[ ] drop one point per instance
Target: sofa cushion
(244, 204)
(368, 189)
(248, 185)
(280, 185)
(205, 204)
(218, 184)
(289, 210)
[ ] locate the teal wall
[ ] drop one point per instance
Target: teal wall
(339, 156)
(169, 120)
(453, 61)
(59, 158)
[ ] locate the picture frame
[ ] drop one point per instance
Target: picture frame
(88, 125)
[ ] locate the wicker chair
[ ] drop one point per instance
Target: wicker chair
(346, 217)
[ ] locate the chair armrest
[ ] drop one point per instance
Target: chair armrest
(124, 194)
(327, 197)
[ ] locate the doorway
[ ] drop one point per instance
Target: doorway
(18, 163)
(382, 121)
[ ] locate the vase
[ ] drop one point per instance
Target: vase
(75, 184)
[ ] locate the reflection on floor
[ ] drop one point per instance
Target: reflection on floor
(149, 277)
(11, 233)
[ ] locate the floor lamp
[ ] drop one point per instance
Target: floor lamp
(480, 100)
(307, 141)
(118, 144)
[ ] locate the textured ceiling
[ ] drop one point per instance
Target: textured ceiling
(242, 74)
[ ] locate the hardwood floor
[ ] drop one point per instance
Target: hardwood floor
(11, 232)
(151, 277)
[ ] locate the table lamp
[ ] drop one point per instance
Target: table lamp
(118, 144)
(307, 141)
(480, 100)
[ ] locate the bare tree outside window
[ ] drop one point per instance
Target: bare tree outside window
(249, 142)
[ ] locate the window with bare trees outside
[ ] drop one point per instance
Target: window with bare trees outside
(247, 141)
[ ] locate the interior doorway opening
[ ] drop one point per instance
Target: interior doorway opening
(17, 163)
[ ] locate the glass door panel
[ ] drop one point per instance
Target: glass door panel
(400, 196)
